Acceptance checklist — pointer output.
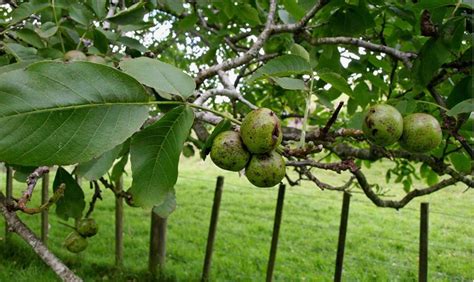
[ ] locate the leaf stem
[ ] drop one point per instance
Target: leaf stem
(306, 111)
(433, 104)
(82, 38)
(223, 115)
(57, 24)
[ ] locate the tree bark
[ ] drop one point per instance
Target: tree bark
(17, 226)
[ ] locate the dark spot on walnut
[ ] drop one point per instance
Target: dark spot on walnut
(275, 132)
(369, 122)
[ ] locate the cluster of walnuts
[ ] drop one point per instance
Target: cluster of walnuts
(416, 133)
(75, 55)
(253, 149)
(76, 241)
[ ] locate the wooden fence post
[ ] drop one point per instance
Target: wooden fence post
(346, 199)
(44, 214)
(423, 261)
(9, 195)
(212, 228)
(157, 243)
(276, 232)
(119, 224)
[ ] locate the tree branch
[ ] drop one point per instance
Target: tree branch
(332, 120)
(325, 186)
(347, 151)
(405, 200)
(31, 183)
(97, 195)
(247, 56)
(17, 226)
(337, 167)
(233, 94)
(405, 57)
(56, 196)
(301, 23)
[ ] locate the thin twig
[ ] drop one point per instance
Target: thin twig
(406, 199)
(31, 183)
(97, 195)
(56, 196)
(332, 120)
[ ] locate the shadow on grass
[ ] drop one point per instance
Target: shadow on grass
(22, 256)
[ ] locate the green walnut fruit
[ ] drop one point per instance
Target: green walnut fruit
(261, 131)
(74, 55)
(421, 133)
(87, 227)
(266, 170)
(383, 125)
(96, 59)
(75, 243)
(228, 151)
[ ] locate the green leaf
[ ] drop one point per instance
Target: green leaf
(432, 56)
(289, 83)
(155, 155)
(161, 76)
(249, 14)
(97, 167)
(432, 178)
(330, 58)
(132, 43)
(337, 81)
(80, 14)
(100, 41)
(283, 66)
(131, 15)
(428, 174)
(187, 22)
(350, 20)
(98, 6)
(119, 168)
(406, 185)
(27, 9)
(466, 106)
(294, 9)
(424, 170)
(57, 113)
(47, 30)
(461, 162)
(382, 63)
(462, 91)
(72, 203)
(362, 94)
(21, 53)
(299, 50)
(50, 53)
(175, 5)
(15, 66)
(431, 4)
(222, 126)
(356, 120)
(167, 206)
(30, 37)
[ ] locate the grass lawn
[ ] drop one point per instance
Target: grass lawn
(382, 244)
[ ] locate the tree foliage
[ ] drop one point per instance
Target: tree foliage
(169, 63)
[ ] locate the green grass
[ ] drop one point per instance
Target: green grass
(382, 244)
